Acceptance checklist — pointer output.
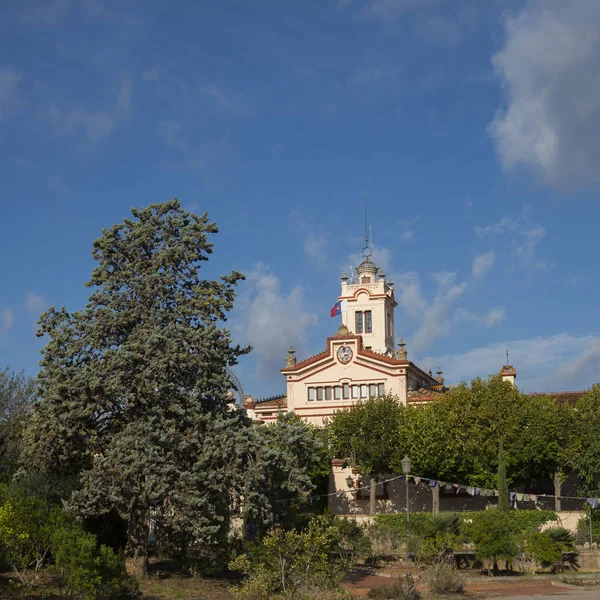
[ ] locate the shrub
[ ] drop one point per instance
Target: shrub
(496, 536)
(27, 524)
(439, 539)
(444, 578)
(351, 539)
(292, 564)
(554, 548)
(399, 590)
(88, 571)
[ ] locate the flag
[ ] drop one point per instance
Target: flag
(338, 308)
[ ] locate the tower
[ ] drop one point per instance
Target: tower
(370, 306)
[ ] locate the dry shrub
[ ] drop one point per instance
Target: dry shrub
(444, 578)
(401, 589)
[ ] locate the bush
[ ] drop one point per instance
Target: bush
(443, 578)
(496, 536)
(27, 524)
(351, 539)
(554, 548)
(292, 565)
(88, 571)
(399, 590)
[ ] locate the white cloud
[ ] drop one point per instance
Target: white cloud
(407, 232)
(314, 237)
(550, 68)
(95, 124)
(491, 318)
(390, 9)
(434, 319)
(521, 234)
(223, 101)
(7, 318)
(125, 96)
(35, 303)
(381, 257)
(172, 133)
(482, 263)
(10, 100)
(270, 320)
(552, 363)
(151, 74)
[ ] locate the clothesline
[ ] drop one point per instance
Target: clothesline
(514, 497)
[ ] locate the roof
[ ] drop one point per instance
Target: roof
(279, 401)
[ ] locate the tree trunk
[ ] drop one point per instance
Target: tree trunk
(435, 499)
(373, 496)
(136, 550)
(557, 490)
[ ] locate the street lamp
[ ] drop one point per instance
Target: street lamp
(406, 464)
(350, 481)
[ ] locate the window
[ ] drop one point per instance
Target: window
(359, 322)
(368, 347)
(368, 322)
(337, 393)
(328, 393)
(363, 390)
(365, 280)
(346, 391)
(311, 393)
(354, 391)
(319, 393)
(372, 390)
(381, 390)
(388, 324)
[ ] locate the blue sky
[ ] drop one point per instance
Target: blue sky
(473, 127)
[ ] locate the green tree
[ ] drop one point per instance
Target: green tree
(585, 442)
(17, 393)
(366, 435)
(134, 386)
(495, 534)
(285, 461)
(459, 437)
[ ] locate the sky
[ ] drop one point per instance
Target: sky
(473, 127)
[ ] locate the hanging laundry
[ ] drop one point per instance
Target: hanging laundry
(593, 502)
(433, 483)
(526, 498)
(471, 491)
(533, 497)
(520, 497)
(417, 480)
(477, 491)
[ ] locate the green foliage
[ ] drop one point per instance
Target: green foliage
(135, 388)
(27, 524)
(397, 522)
(286, 460)
(585, 443)
(551, 547)
(402, 589)
(350, 539)
(457, 438)
(88, 571)
(583, 526)
(17, 393)
(291, 564)
(367, 434)
(495, 534)
(440, 537)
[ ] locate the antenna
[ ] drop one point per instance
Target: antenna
(507, 363)
(367, 250)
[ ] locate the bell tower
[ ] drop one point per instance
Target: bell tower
(369, 303)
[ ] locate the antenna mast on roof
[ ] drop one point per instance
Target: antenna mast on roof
(367, 250)
(507, 363)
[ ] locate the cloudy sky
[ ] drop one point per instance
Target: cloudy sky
(473, 127)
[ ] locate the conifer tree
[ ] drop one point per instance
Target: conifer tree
(134, 387)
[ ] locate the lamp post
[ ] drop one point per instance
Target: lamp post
(406, 464)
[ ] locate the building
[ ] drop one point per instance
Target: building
(359, 361)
